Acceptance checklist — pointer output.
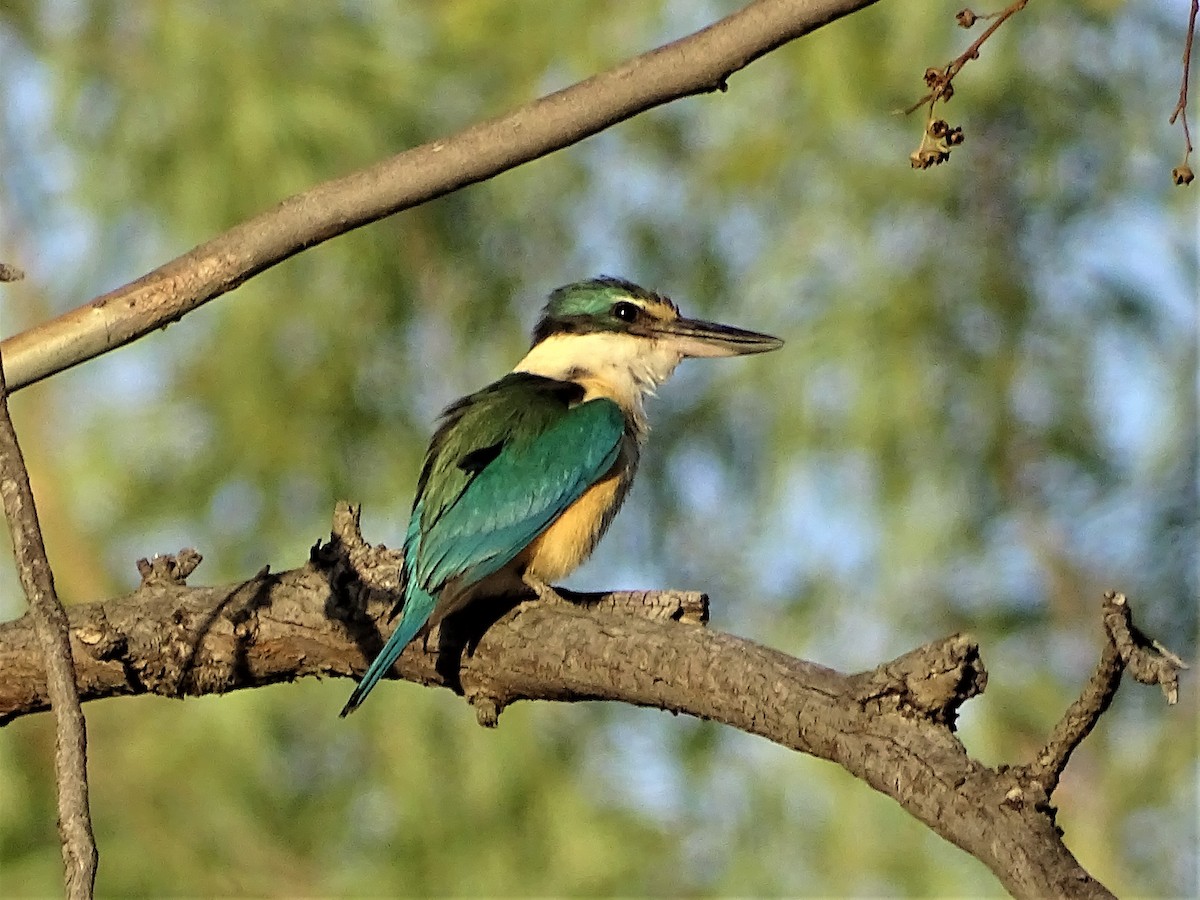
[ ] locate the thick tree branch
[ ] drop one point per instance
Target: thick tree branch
(52, 631)
(696, 64)
(891, 727)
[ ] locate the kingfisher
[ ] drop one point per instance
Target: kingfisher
(523, 477)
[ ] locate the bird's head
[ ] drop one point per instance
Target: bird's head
(640, 318)
(623, 340)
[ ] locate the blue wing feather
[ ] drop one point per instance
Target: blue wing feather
(493, 513)
(519, 494)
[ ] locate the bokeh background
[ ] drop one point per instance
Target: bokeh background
(985, 415)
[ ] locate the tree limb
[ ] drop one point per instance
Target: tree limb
(1127, 648)
(699, 63)
(892, 727)
(53, 638)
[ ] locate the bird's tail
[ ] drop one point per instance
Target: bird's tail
(418, 606)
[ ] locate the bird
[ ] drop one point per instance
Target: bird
(523, 477)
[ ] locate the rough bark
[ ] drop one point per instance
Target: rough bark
(892, 727)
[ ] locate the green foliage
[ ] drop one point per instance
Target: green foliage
(983, 417)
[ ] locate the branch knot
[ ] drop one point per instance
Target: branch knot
(172, 569)
(933, 681)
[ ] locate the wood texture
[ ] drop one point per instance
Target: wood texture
(892, 727)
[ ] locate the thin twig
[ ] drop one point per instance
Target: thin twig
(1146, 659)
(1182, 174)
(939, 137)
(50, 619)
(1181, 105)
(938, 90)
(1126, 648)
(1079, 719)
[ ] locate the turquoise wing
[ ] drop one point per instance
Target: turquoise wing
(505, 463)
(513, 499)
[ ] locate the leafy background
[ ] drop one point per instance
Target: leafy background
(985, 416)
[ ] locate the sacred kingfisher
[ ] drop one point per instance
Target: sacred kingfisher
(523, 477)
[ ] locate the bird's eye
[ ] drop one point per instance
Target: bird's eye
(626, 312)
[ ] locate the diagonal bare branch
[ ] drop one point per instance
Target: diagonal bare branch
(54, 639)
(699, 63)
(1126, 648)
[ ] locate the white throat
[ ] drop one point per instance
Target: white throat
(618, 366)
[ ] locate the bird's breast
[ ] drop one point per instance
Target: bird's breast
(573, 536)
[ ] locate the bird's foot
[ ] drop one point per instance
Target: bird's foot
(543, 591)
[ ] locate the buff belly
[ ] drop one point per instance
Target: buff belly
(571, 537)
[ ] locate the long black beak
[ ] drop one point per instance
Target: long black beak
(694, 337)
